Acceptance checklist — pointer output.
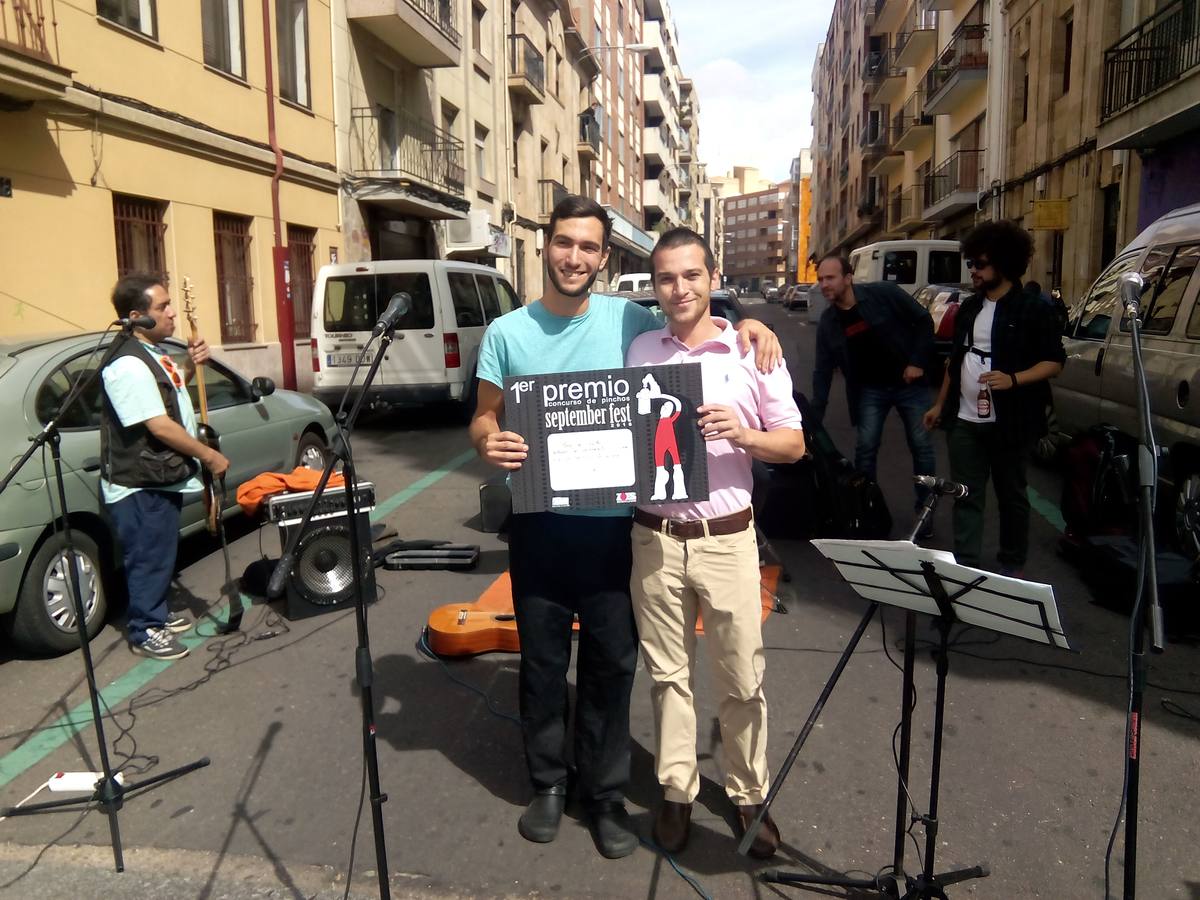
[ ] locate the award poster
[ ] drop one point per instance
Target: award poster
(608, 437)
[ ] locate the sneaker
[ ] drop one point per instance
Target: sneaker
(177, 624)
(160, 644)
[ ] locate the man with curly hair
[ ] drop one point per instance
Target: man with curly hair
(1007, 345)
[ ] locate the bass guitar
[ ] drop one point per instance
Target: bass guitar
(206, 434)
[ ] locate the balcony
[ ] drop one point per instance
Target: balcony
(657, 95)
(875, 139)
(550, 193)
(844, 117)
(954, 185)
(685, 149)
(905, 211)
(588, 145)
(844, 172)
(658, 147)
(399, 146)
(526, 70)
(960, 67)
(685, 184)
(425, 32)
(656, 196)
(29, 64)
(889, 14)
(686, 114)
(912, 126)
(1151, 89)
(918, 40)
(888, 79)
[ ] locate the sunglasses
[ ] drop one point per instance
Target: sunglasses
(169, 365)
(978, 264)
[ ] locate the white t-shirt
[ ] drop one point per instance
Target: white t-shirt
(973, 366)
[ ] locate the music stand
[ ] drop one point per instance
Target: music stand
(920, 580)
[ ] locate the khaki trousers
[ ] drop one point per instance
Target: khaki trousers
(674, 580)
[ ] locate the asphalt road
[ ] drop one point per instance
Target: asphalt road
(1031, 774)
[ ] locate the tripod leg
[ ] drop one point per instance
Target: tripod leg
(777, 782)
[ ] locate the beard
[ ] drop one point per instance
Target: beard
(987, 284)
(581, 292)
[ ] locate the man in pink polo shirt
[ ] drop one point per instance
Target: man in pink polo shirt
(702, 557)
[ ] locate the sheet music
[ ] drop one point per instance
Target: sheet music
(889, 572)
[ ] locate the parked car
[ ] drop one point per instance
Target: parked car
(1097, 384)
(911, 264)
(636, 281)
(437, 341)
(799, 297)
(942, 302)
(721, 303)
(770, 292)
(261, 430)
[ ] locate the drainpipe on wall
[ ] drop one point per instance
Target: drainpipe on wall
(279, 254)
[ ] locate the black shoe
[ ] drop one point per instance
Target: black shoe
(672, 825)
(539, 822)
(613, 830)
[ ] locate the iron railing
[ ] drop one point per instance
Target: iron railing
(527, 61)
(235, 280)
(550, 192)
(23, 29)
(589, 132)
(1158, 51)
(442, 15)
(906, 207)
(967, 50)
(391, 144)
(963, 171)
(876, 136)
(910, 115)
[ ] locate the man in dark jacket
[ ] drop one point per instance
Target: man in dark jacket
(882, 340)
(1007, 345)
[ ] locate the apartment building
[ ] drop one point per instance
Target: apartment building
(668, 184)
(1150, 108)
(614, 32)
(801, 263)
(141, 135)
(691, 172)
(757, 237)
(903, 89)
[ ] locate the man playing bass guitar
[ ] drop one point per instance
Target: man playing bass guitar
(148, 458)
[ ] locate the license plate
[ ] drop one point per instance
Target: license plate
(341, 359)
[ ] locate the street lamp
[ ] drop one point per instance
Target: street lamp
(632, 48)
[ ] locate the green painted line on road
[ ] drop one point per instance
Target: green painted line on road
(46, 740)
(1047, 510)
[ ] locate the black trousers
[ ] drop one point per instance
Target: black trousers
(563, 566)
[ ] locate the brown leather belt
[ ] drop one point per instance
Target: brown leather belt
(689, 529)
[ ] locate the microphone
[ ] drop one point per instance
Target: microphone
(283, 568)
(396, 310)
(1132, 285)
(136, 322)
(942, 486)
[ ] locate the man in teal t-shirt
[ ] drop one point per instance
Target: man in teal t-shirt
(565, 565)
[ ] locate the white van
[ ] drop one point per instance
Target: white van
(910, 264)
(636, 281)
(433, 356)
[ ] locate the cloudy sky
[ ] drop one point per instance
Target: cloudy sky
(752, 64)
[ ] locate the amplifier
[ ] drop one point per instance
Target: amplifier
(289, 508)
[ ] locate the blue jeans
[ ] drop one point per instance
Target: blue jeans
(910, 401)
(148, 527)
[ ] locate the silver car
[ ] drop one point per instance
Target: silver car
(1097, 385)
(261, 430)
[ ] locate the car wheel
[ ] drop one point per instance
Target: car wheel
(312, 452)
(1187, 515)
(44, 619)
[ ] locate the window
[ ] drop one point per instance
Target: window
(900, 266)
(1090, 316)
(491, 299)
(481, 154)
(136, 15)
(291, 33)
(354, 302)
(1160, 318)
(139, 227)
(508, 297)
(478, 13)
(221, 22)
(464, 294)
(235, 284)
(301, 245)
(84, 412)
(221, 389)
(1022, 96)
(945, 267)
(1068, 27)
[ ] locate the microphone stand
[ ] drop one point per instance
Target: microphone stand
(1147, 610)
(109, 793)
(364, 670)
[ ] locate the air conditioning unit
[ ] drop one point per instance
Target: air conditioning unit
(471, 233)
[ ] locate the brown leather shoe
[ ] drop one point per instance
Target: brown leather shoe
(766, 842)
(672, 825)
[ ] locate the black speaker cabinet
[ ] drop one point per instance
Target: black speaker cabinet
(322, 578)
